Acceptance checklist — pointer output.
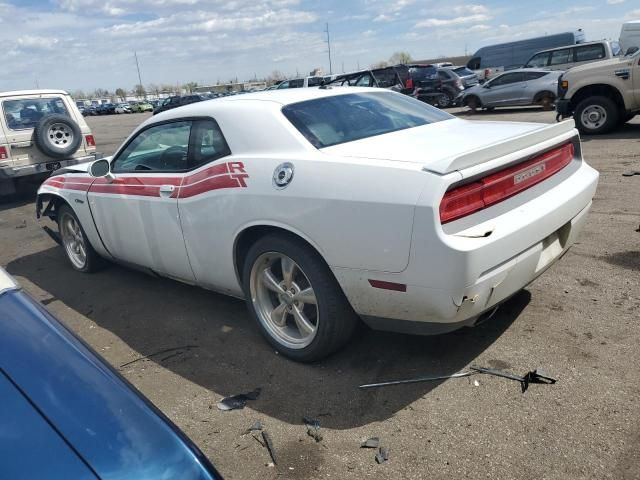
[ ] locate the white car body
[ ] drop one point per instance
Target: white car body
(123, 108)
(370, 208)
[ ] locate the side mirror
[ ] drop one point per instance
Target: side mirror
(631, 51)
(101, 168)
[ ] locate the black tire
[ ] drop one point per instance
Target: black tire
(57, 136)
(473, 103)
(602, 104)
(336, 319)
(490, 109)
(94, 262)
(444, 100)
(546, 101)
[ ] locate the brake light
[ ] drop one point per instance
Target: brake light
(91, 142)
(3, 153)
(409, 83)
(467, 199)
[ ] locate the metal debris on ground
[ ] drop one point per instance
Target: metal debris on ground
(313, 428)
(373, 442)
(382, 455)
(178, 350)
(256, 427)
(534, 376)
(237, 402)
(417, 380)
(267, 441)
(631, 173)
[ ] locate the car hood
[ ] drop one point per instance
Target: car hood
(450, 145)
(602, 65)
(117, 432)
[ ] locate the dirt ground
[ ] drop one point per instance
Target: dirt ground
(580, 322)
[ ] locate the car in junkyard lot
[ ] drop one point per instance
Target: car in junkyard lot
(140, 107)
(450, 235)
(67, 414)
(123, 108)
(469, 77)
(515, 88)
(40, 131)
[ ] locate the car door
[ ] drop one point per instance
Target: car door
(507, 89)
(635, 77)
(136, 212)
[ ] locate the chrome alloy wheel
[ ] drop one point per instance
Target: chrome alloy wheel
(73, 241)
(593, 117)
(284, 300)
(60, 135)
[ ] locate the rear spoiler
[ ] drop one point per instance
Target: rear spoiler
(502, 148)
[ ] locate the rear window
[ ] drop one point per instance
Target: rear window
(463, 71)
(422, 72)
(346, 118)
(589, 52)
(26, 113)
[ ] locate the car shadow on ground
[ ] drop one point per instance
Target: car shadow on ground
(228, 355)
(24, 195)
(627, 131)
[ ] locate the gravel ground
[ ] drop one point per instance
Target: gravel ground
(579, 321)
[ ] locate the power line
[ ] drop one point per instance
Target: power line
(135, 54)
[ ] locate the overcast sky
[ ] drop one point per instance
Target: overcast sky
(86, 44)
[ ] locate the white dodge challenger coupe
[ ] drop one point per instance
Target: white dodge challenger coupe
(323, 206)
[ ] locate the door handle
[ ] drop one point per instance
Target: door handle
(166, 190)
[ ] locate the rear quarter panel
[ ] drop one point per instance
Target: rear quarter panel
(357, 214)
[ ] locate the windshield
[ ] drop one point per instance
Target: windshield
(422, 72)
(463, 71)
(346, 118)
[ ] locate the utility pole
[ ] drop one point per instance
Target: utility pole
(329, 45)
(135, 54)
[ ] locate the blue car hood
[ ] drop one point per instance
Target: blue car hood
(101, 420)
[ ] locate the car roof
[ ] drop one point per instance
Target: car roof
(570, 46)
(17, 93)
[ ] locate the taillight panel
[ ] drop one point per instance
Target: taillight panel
(4, 154)
(496, 187)
(91, 142)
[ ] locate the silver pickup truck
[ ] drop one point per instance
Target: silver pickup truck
(40, 131)
(601, 95)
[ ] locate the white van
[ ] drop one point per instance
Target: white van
(564, 58)
(630, 35)
(301, 83)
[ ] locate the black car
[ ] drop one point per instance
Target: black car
(468, 77)
(178, 101)
(416, 80)
(452, 85)
(106, 109)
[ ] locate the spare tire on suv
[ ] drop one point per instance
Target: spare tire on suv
(57, 136)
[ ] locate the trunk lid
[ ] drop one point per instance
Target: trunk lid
(451, 145)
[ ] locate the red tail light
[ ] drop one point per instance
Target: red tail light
(409, 83)
(3, 153)
(467, 199)
(91, 142)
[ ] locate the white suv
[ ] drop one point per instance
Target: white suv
(40, 131)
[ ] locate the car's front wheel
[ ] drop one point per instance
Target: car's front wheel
(595, 115)
(74, 241)
(295, 299)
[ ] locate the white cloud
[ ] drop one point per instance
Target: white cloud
(445, 22)
(614, 2)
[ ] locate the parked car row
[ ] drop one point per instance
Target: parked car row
(119, 108)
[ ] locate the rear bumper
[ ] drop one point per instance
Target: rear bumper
(451, 280)
(8, 173)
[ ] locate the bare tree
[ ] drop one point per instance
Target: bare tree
(121, 94)
(78, 95)
(190, 87)
(381, 64)
(154, 89)
(140, 91)
(401, 58)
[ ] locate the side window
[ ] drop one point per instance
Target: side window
(284, 84)
(589, 52)
(559, 57)
(534, 75)
(474, 63)
(507, 79)
(162, 148)
(297, 83)
(364, 81)
(207, 143)
(538, 60)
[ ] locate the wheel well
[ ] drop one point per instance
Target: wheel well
(466, 99)
(249, 236)
(598, 90)
(545, 93)
(51, 204)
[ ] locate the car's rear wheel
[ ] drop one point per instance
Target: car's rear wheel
(595, 115)
(546, 101)
(295, 299)
(444, 101)
(76, 246)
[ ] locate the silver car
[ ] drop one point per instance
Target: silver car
(529, 86)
